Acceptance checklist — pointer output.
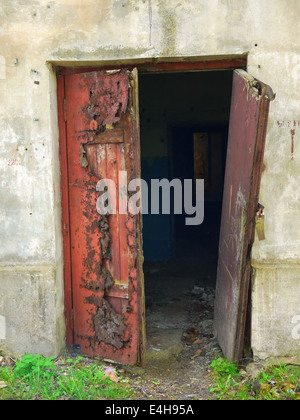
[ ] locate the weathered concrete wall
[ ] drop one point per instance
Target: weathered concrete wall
(276, 318)
(276, 288)
(41, 34)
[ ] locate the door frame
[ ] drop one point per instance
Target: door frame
(187, 65)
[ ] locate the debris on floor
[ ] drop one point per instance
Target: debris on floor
(179, 316)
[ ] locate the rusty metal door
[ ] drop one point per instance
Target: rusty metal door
(246, 143)
(102, 125)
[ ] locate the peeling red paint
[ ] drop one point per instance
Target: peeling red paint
(109, 326)
(102, 140)
(108, 100)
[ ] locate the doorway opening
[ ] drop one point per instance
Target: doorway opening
(184, 120)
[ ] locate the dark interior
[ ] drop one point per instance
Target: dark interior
(184, 125)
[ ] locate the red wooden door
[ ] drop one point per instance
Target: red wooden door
(246, 142)
(106, 282)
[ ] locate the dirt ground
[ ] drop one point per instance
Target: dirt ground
(179, 319)
(180, 341)
(177, 379)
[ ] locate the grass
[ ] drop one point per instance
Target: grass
(281, 382)
(35, 377)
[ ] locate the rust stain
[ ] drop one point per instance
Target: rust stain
(131, 240)
(107, 278)
(105, 237)
(95, 300)
(293, 132)
(92, 285)
(109, 326)
(108, 101)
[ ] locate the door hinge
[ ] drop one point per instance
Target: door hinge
(65, 109)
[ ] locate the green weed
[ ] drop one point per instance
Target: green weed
(36, 377)
(226, 377)
(280, 382)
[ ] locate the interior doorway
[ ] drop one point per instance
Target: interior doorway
(184, 120)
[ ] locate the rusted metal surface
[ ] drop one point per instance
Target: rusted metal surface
(110, 136)
(102, 136)
(109, 325)
(107, 101)
(246, 142)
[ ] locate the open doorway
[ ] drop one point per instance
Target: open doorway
(184, 121)
(184, 128)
